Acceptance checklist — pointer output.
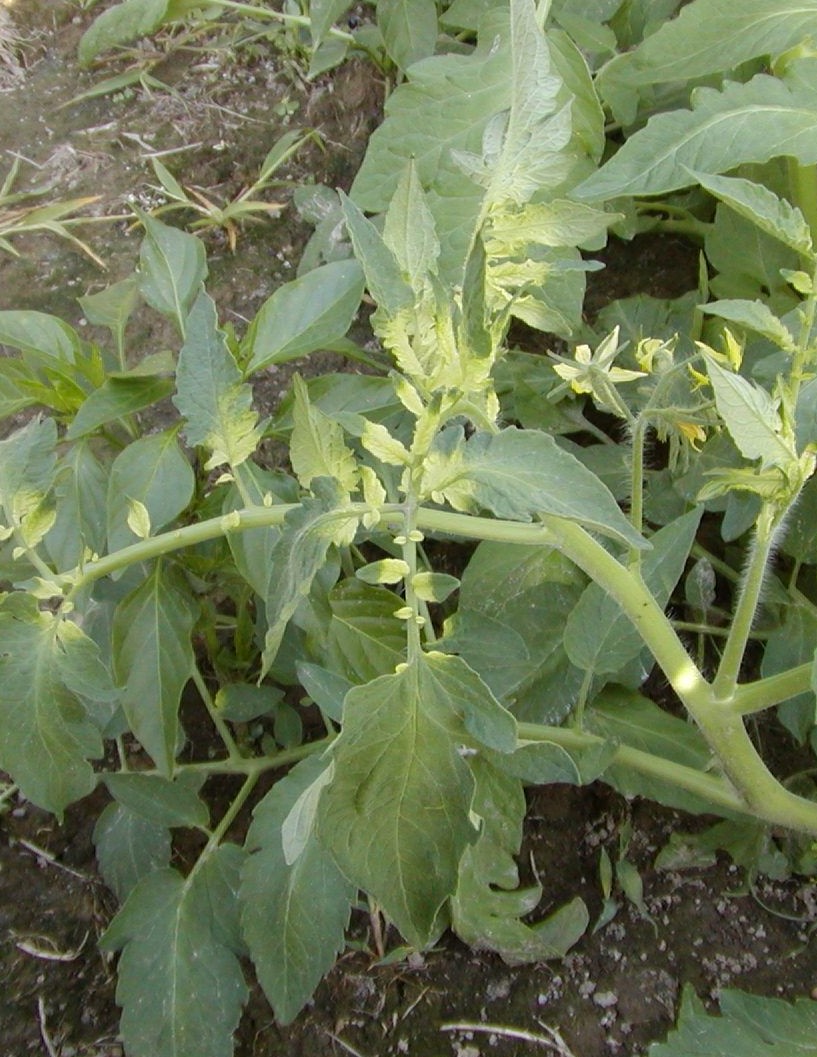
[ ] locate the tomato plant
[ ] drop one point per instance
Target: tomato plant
(401, 709)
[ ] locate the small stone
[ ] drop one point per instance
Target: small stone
(605, 999)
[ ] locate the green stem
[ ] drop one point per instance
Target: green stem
(8, 794)
(803, 185)
(221, 829)
(637, 485)
(716, 790)
(729, 668)
(278, 16)
(773, 690)
(722, 726)
(233, 752)
(255, 765)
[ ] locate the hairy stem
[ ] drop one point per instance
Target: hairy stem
(729, 668)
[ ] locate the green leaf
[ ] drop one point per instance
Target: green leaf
(327, 689)
(444, 105)
(599, 637)
(751, 417)
(713, 35)
(317, 447)
(117, 397)
(509, 627)
(180, 985)
(800, 539)
(113, 306)
(789, 645)
(210, 394)
(625, 717)
(488, 904)
(172, 268)
(80, 492)
(756, 316)
(751, 122)
(153, 471)
(364, 639)
(243, 702)
(39, 333)
(50, 672)
(298, 555)
(749, 1025)
(160, 801)
(153, 659)
(380, 264)
(128, 847)
(305, 315)
(121, 24)
(294, 914)
(748, 262)
(517, 474)
(762, 206)
(408, 28)
(396, 816)
(322, 14)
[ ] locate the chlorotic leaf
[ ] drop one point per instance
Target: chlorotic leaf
(317, 447)
(380, 265)
(294, 914)
(409, 230)
(210, 394)
(153, 660)
(443, 106)
(180, 986)
(27, 466)
(754, 315)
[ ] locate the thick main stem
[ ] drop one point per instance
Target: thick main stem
(719, 720)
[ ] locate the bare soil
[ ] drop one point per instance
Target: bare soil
(618, 990)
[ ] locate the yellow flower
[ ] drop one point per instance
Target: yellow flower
(584, 375)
